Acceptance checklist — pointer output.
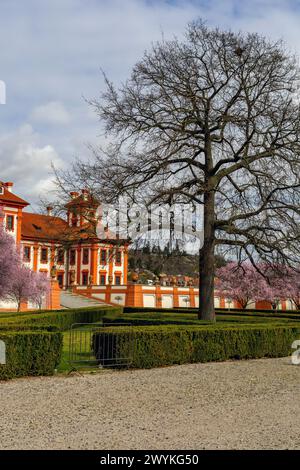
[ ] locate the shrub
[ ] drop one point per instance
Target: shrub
(223, 311)
(24, 327)
(30, 353)
(34, 342)
(187, 318)
(156, 346)
(60, 318)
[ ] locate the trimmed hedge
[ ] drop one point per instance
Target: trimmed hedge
(156, 346)
(221, 311)
(34, 340)
(170, 318)
(63, 319)
(145, 311)
(30, 353)
(22, 327)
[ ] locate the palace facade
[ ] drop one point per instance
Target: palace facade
(69, 244)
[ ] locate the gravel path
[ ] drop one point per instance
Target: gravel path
(230, 405)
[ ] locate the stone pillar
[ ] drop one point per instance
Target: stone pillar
(158, 297)
(78, 274)
(19, 226)
(192, 297)
(35, 257)
(53, 301)
(110, 260)
(108, 293)
(134, 296)
(24, 306)
(94, 264)
(125, 265)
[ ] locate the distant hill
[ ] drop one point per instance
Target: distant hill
(156, 260)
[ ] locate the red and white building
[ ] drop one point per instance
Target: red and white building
(91, 266)
(69, 244)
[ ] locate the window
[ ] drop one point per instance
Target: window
(61, 256)
(72, 257)
(85, 278)
(60, 279)
(102, 279)
(10, 223)
(103, 257)
(85, 256)
(26, 253)
(117, 279)
(74, 220)
(44, 255)
(118, 257)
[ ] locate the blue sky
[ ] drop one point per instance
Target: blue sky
(52, 52)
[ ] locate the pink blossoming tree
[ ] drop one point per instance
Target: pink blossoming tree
(241, 283)
(22, 285)
(9, 261)
(275, 285)
(40, 289)
(17, 282)
(292, 287)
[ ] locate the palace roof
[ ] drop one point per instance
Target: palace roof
(10, 198)
(48, 228)
(42, 227)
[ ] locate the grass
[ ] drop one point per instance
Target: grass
(79, 342)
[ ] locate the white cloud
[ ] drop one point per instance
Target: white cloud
(55, 60)
(27, 163)
(53, 112)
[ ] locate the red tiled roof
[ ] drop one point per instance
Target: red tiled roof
(42, 227)
(45, 227)
(10, 198)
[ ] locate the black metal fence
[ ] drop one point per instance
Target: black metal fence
(88, 348)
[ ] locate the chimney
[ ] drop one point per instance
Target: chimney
(49, 210)
(74, 194)
(9, 186)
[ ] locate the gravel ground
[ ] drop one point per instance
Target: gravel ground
(231, 405)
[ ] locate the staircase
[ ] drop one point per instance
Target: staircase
(69, 300)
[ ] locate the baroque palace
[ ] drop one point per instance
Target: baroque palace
(67, 246)
(68, 250)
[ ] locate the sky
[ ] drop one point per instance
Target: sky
(52, 53)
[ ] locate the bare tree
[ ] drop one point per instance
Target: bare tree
(212, 119)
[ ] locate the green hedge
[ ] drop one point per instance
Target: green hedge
(30, 353)
(24, 327)
(155, 346)
(171, 318)
(34, 340)
(145, 311)
(221, 311)
(63, 319)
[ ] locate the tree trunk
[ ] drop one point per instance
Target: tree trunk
(207, 261)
